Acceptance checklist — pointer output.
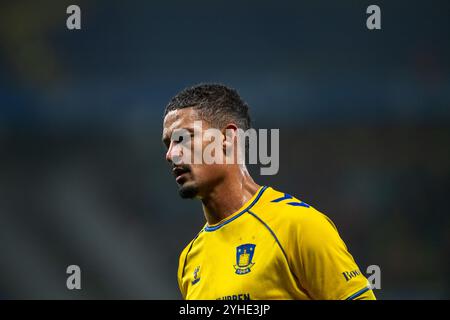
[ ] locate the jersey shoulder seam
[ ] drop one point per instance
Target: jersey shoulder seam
(271, 232)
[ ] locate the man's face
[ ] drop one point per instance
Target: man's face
(194, 180)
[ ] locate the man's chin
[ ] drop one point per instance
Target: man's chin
(188, 191)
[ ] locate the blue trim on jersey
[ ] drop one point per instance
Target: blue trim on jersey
(298, 204)
(273, 234)
(207, 228)
(285, 197)
(357, 294)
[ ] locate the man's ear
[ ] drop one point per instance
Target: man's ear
(230, 134)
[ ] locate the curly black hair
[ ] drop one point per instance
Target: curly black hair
(216, 103)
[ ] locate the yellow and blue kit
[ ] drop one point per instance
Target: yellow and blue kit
(274, 247)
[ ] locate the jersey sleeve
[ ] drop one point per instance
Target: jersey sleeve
(180, 273)
(322, 263)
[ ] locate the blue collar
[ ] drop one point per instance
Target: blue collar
(208, 228)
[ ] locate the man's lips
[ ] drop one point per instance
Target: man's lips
(179, 172)
(180, 178)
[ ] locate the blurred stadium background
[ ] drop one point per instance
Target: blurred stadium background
(363, 116)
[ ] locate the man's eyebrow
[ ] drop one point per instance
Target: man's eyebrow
(165, 138)
(190, 130)
(187, 129)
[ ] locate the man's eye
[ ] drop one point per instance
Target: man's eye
(180, 139)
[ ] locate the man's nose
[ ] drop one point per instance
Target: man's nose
(173, 154)
(169, 153)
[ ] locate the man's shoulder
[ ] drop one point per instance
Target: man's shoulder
(191, 243)
(283, 205)
(283, 210)
(293, 221)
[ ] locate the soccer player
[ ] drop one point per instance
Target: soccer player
(257, 243)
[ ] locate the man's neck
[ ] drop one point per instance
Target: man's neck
(228, 197)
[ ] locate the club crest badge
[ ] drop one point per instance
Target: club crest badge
(244, 256)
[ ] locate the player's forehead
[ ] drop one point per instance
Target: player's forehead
(179, 119)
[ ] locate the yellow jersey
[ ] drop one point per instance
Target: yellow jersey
(274, 247)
